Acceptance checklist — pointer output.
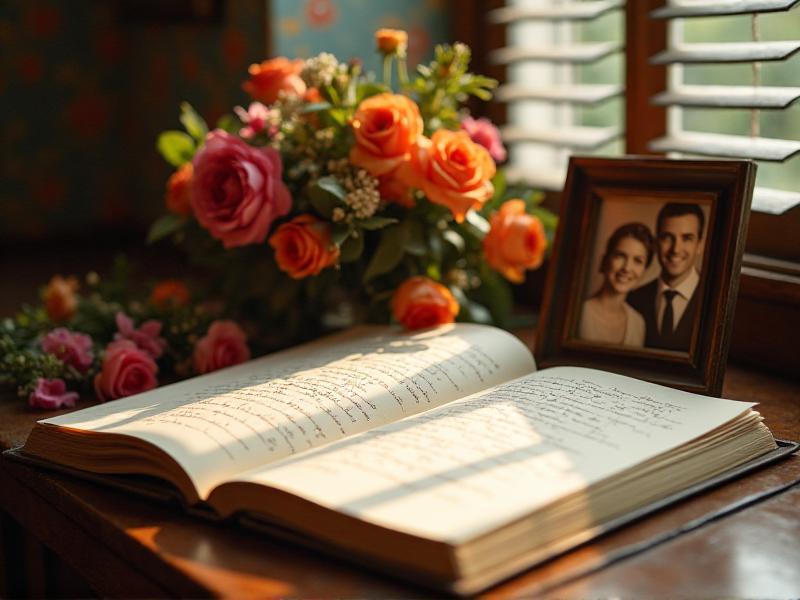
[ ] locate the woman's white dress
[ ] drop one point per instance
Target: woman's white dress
(594, 327)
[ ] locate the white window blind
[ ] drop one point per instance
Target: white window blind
(564, 84)
(733, 89)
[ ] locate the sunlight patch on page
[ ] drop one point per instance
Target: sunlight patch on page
(516, 448)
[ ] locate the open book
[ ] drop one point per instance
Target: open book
(442, 454)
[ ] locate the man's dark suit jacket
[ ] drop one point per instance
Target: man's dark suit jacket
(644, 301)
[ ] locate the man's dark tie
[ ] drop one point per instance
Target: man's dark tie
(669, 316)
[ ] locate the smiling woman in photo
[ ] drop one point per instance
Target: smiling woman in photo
(605, 316)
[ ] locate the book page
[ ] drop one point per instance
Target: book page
(219, 424)
(464, 469)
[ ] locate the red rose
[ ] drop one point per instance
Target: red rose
(126, 371)
(237, 191)
(224, 345)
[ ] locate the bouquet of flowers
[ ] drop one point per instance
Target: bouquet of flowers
(333, 198)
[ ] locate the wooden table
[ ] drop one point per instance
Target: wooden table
(66, 537)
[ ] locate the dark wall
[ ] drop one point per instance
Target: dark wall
(85, 88)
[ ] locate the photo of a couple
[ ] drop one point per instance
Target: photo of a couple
(649, 277)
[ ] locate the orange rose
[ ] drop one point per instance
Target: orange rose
(391, 41)
(178, 197)
(386, 127)
(451, 170)
(271, 77)
(312, 96)
(303, 246)
(421, 302)
(170, 292)
(59, 298)
(515, 242)
(396, 191)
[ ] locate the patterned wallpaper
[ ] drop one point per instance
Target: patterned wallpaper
(85, 89)
(346, 27)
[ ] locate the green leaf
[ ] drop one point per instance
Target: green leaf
(389, 252)
(478, 222)
(351, 249)
(535, 198)
(454, 239)
(339, 115)
(495, 293)
(370, 88)
(548, 219)
(195, 124)
(176, 147)
(481, 94)
(332, 186)
(415, 242)
(164, 226)
(436, 246)
(476, 313)
(434, 272)
(325, 195)
(229, 123)
(499, 183)
(333, 94)
(476, 225)
(340, 232)
(316, 107)
(375, 223)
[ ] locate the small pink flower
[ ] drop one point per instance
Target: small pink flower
(146, 337)
(255, 119)
(483, 132)
(224, 345)
(71, 347)
(237, 190)
(51, 394)
(127, 370)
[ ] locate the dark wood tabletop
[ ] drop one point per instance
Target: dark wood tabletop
(62, 536)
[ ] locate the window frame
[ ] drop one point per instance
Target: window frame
(769, 288)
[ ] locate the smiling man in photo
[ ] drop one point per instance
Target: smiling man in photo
(669, 304)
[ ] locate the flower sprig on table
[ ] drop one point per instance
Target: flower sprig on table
(333, 197)
(112, 342)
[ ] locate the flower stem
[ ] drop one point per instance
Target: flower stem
(387, 69)
(402, 72)
(437, 101)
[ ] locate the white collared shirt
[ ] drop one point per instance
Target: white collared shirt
(681, 300)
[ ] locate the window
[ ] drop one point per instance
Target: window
(701, 78)
(563, 86)
(732, 90)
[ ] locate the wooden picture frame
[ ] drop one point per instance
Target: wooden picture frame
(696, 213)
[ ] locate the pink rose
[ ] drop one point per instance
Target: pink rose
(51, 394)
(70, 347)
(237, 191)
(146, 337)
(224, 345)
(483, 132)
(127, 370)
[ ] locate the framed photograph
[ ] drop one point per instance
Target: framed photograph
(645, 268)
